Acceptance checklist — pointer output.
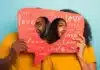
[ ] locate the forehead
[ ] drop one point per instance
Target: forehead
(40, 19)
(62, 22)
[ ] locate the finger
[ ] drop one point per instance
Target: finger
(78, 40)
(80, 36)
(20, 46)
(23, 48)
(23, 45)
(78, 44)
(21, 42)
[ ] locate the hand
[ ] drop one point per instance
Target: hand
(19, 46)
(81, 44)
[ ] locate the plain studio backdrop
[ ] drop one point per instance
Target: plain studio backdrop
(90, 9)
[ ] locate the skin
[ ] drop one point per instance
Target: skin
(61, 27)
(19, 46)
(81, 44)
(40, 25)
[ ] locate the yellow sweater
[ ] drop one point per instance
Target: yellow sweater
(24, 61)
(67, 61)
(54, 61)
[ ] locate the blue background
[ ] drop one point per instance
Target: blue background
(88, 8)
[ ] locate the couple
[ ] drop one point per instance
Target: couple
(82, 60)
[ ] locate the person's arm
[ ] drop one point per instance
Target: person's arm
(5, 63)
(17, 47)
(80, 54)
(85, 65)
(92, 66)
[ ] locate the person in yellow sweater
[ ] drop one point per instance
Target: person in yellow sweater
(52, 62)
(82, 60)
(13, 51)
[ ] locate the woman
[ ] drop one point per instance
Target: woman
(18, 58)
(82, 60)
(56, 29)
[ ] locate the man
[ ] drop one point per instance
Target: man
(17, 57)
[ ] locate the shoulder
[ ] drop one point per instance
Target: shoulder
(89, 49)
(9, 39)
(89, 54)
(6, 43)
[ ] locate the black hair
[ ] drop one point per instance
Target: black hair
(69, 10)
(87, 29)
(52, 34)
(42, 34)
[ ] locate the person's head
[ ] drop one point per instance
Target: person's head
(87, 29)
(56, 30)
(61, 27)
(41, 25)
